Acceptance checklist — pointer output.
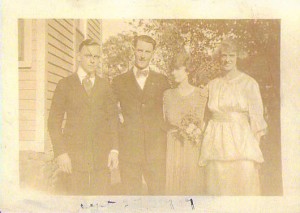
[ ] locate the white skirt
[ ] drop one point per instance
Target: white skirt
(232, 178)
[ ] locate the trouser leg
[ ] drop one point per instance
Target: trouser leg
(155, 177)
(131, 176)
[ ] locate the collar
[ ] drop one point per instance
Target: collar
(82, 74)
(135, 69)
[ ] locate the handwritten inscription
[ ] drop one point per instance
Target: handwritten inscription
(126, 204)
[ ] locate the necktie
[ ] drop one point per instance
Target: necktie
(88, 85)
(141, 73)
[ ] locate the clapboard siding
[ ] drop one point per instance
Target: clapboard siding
(27, 92)
(97, 25)
(27, 104)
(70, 22)
(53, 68)
(94, 30)
(56, 60)
(61, 29)
(65, 25)
(59, 44)
(27, 75)
(27, 125)
(61, 53)
(54, 77)
(54, 32)
(27, 85)
(27, 135)
(26, 115)
(51, 86)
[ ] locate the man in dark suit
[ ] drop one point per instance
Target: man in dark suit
(88, 142)
(142, 143)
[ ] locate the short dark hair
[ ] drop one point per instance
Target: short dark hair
(144, 38)
(88, 42)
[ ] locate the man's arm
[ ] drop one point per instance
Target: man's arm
(55, 119)
(166, 84)
(112, 112)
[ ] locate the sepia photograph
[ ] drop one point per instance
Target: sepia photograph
(150, 107)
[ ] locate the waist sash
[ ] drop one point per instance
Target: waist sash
(230, 117)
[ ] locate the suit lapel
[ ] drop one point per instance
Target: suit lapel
(149, 85)
(133, 86)
(79, 88)
(96, 88)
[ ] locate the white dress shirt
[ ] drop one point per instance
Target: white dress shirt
(141, 80)
(82, 74)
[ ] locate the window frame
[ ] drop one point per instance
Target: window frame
(27, 60)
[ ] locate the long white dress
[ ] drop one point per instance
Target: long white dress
(184, 175)
(230, 151)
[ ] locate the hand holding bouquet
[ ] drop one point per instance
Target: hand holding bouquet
(190, 129)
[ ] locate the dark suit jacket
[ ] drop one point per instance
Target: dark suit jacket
(142, 135)
(91, 125)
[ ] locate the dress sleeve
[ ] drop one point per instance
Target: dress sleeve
(256, 110)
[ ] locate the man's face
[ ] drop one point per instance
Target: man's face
(89, 58)
(143, 54)
(228, 60)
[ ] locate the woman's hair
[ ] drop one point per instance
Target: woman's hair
(228, 44)
(182, 59)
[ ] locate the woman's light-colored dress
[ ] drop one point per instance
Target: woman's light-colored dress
(230, 151)
(184, 175)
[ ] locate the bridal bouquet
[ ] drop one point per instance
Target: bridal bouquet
(190, 129)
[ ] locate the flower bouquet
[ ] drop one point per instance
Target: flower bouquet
(190, 129)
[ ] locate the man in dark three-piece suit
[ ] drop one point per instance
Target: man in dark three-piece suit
(142, 142)
(88, 143)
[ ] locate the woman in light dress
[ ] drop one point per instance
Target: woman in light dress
(230, 150)
(184, 176)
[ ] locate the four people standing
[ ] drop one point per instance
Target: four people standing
(93, 139)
